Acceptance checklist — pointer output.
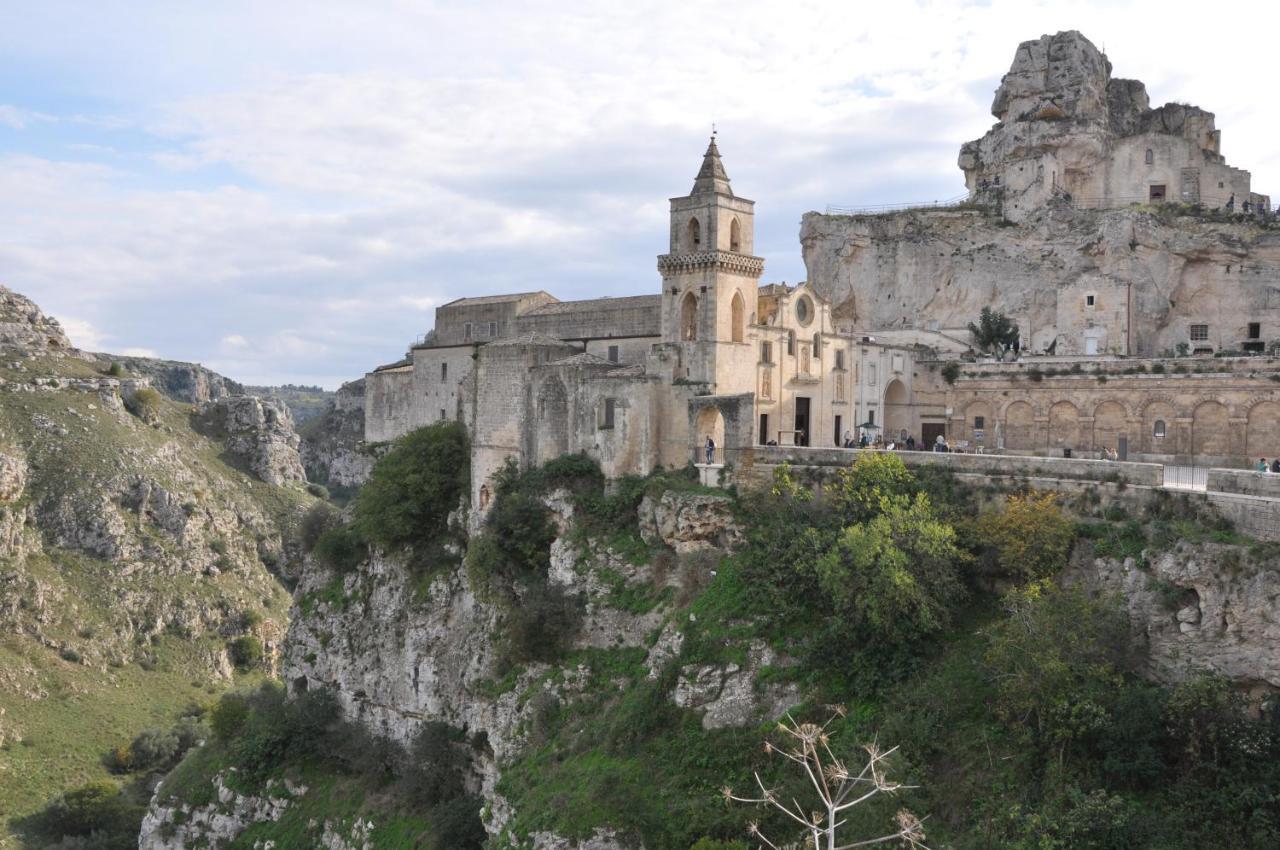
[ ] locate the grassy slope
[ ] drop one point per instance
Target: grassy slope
(93, 707)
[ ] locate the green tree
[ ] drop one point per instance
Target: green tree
(414, 486)
(993, 331)
(894, 576)
(1031, 537)
(1056, 662)
(864, 488)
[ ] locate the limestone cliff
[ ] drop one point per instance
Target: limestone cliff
(333, 450)
(1150, 275)
(1100, 225)
(1198, 607)
(131, 551)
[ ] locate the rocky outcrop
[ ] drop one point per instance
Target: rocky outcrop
(333, 449)
(734, 694)
(190, 383)
(258, 433)
(175, 826)
(14, 540)
(24, 327)
(397, 656)
(1206, 607)
(899, 270)
(688, 522)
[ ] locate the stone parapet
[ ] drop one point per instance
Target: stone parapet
(763, 459)
(1244, 481)
(720, 260)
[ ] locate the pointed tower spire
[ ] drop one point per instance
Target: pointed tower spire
(712, 177)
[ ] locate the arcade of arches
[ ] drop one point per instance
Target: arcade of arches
(1218, 425)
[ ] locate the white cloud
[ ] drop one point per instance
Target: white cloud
(19, 119)
(83, 334)
(344, 170)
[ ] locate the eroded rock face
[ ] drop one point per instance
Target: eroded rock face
(896, 271)
(333, 450)
(259, 432)
(190, 383)
(180, 827)
(1198, 608)
(397, 656)
(689, 522)
(1064, 71)
(13, 515)
(731, 695)
(25, 327)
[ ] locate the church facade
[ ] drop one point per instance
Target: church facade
(641, 382)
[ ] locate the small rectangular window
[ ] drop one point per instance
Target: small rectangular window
(979, 423)
(1199, 333)
(871, 416)
(1255, 330)
(766, 352)
(493, 329)
(444, 372)
(466, 330)
(613, 354)
(839, 358)
(609, 412)
(1089, 300)
(442, 414)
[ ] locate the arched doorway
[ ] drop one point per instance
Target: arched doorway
(1210, 436)
(1064, 426)
(1110, 422)
(1019, 427)
(897, 411)
(710, 424)
(1263, 435)
(689, 317)
(737, 318)
(552, 432)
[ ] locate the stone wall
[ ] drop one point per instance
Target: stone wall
(1228, 414)
(1244, 482)
(757, 464)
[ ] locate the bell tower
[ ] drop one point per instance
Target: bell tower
(710, 280)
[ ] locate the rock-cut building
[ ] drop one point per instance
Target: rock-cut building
(641, 382)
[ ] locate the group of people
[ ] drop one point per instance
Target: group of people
(1263, 467)
(878, 442)
(1110, 453)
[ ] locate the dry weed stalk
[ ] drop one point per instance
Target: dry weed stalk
(837, 788)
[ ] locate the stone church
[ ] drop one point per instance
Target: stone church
(641, 382)
(1142, 271)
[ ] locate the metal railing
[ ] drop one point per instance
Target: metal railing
(877, 209)
(1186, 478)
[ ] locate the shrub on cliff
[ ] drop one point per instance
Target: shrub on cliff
(245, 652)
(145, 404)
(414, 486)
(1031, 537)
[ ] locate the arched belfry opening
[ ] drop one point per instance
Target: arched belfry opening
(695, 235)
(689, 317)
(737, 318)
(735, 236)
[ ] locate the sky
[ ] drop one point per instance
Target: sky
(285, 191)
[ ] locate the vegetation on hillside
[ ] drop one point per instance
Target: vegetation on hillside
(1021, 717)
(98, 650)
